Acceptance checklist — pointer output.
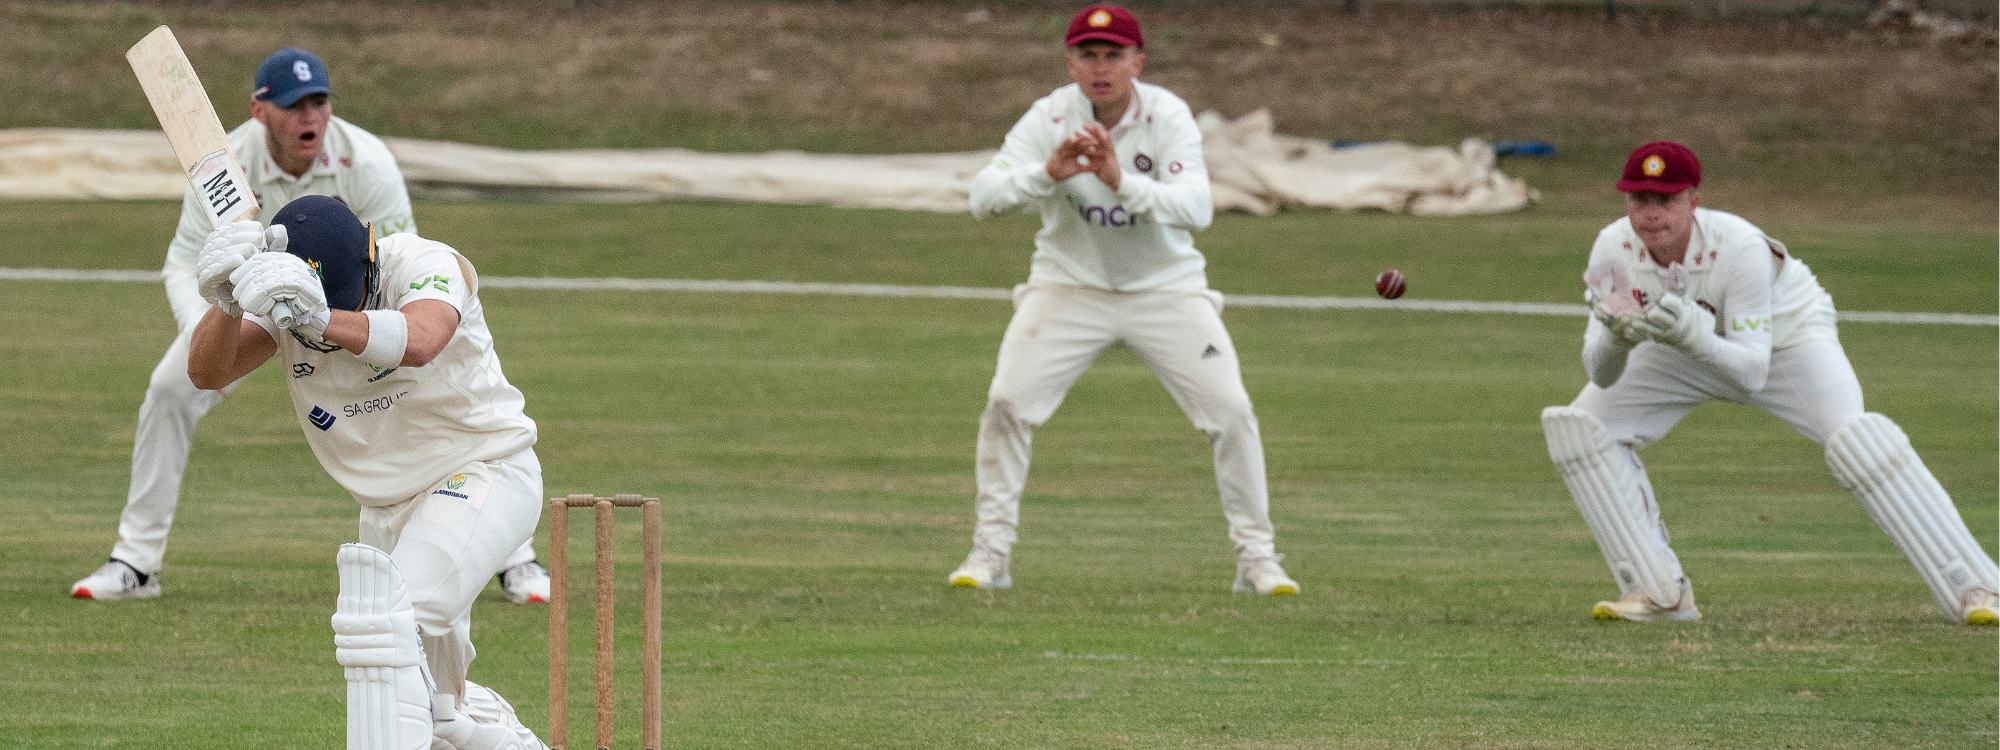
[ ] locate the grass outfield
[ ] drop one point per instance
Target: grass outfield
(815, 454)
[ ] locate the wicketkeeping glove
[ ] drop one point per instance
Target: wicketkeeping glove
(225, 251)
(1675, 321)
(266, 278)
(1627, 330)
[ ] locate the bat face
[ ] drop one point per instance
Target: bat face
(189, 120)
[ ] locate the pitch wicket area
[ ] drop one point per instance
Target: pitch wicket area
(558, 734)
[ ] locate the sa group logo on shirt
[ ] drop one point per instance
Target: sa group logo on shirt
(320, 418)
(456, 481)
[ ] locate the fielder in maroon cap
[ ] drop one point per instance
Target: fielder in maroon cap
(1691, 305)
(1115, 168)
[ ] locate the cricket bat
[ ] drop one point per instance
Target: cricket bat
(189, 120)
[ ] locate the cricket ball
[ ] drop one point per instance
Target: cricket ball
(1390, 284)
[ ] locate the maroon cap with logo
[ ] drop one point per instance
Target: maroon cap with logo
(1106, 22)
(1660, 167)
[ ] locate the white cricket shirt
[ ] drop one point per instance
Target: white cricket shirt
(353, 166)
(1136, 238)
(388, 434)
(1762, 296)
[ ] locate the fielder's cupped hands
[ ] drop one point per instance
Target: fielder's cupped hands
(1091, 145)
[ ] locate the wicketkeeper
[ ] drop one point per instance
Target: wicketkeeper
(1693, 305)
(400, 394)
(291, 146)
(1115, 167)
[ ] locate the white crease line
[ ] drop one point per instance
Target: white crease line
(966, 292)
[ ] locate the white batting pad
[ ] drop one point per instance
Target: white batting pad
(1873, 459)
(1611, 490)
(375, 639)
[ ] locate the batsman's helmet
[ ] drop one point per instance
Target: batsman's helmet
(322, 232)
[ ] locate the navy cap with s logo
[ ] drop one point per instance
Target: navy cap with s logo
(290, 74)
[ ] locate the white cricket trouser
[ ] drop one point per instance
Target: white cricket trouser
(1811, 386)
(1057, 332)
(448, 541)
(160, 447)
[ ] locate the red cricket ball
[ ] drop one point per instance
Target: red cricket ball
(1390, 284)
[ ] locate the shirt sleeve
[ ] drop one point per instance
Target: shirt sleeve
(1742, 351)
(376, 191)
(434, 274)
(183, 253)
(1019, 172)
(1604, 353)
(1179, 197)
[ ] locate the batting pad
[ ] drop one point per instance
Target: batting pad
(1611, 490)
(375, 640)
(1873, 459)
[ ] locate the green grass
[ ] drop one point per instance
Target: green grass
(815, 454)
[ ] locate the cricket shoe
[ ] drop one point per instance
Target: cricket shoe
(1263, 576)
(526, 583)
(1982, 607)
(116, 580)
(982, 569)
(1635, 606)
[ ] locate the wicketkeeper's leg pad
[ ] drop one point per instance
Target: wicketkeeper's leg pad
(1872, 458)
(1611, 490)
(375, 639)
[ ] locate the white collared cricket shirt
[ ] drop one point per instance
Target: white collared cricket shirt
(387, 434)
(1136, 238)
(1763, 297)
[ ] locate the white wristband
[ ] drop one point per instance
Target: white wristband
(388, 336)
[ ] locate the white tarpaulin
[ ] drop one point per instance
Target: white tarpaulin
(1250, 167)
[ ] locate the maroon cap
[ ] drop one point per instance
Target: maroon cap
(1660, 167)
(1107, 22)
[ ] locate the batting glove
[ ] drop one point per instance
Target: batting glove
(1675, 321)
(225, 251)
(267, 278)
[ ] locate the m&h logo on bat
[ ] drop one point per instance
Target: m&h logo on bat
(320, 418)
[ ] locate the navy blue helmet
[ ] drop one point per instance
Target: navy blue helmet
(327, 236)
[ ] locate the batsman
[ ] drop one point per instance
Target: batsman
(1693, 305)
(1115, 168)
(398, 389)
(291, 146)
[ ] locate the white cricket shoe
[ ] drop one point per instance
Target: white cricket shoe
(526, 583)
(1982, 607)
(116, 580)
(1263, 576)
(1637, 607)
(982, 569)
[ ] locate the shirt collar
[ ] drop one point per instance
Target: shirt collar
(1134, 109)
